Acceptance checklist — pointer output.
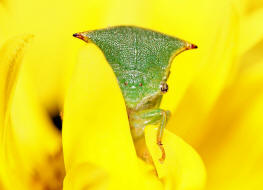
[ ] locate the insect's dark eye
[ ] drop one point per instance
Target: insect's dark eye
(164, 87)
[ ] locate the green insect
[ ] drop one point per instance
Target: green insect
(141, 60)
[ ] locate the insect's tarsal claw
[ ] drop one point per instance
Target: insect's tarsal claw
(161, 160)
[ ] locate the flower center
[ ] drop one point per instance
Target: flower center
(56, 120)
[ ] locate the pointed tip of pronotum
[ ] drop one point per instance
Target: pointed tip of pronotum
(191, 46)
(78, 35)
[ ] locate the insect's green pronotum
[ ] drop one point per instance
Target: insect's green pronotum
(141, 60)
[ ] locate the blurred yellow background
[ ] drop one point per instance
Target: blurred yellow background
(215, 96)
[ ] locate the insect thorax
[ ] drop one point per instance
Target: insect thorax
(140, 89)
(140, 59)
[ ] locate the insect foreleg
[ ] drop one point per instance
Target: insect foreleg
(153, 116)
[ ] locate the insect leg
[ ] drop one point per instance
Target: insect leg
(157, 117)
(164, 119)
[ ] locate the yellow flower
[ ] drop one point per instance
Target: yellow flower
(215, 95)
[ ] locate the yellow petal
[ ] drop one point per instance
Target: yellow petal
(251, 30)
(183, 19)
(86, 177)
(123, 13)
(40, 162)
(233, 147)
(252, 5)
(217, 70)
(189, 20)
(25, 149)
(96, 129)
(52, 57)
(10, 61)
(183, 168)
